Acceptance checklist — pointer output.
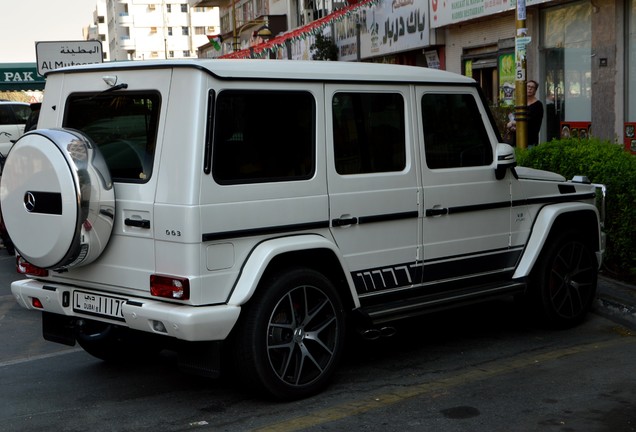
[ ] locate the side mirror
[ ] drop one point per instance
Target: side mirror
(506, 159)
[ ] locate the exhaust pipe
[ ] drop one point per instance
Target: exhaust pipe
(378, 333)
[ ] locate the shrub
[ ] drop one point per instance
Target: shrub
(602, 162)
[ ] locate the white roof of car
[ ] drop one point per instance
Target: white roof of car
(292, 70)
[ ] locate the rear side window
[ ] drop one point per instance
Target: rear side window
(368, 132)
(454, 133)
(263, 136)
(123, 126)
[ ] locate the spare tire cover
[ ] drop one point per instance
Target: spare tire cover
(57, 198)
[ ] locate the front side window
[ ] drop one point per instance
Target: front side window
(263, 136)
(123, 126)
(368, 132)
(454, 132)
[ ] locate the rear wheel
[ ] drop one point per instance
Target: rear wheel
(564, 281)
(291, 335)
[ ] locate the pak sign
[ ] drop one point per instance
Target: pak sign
(55, 55)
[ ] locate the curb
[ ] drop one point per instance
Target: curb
(617, 301)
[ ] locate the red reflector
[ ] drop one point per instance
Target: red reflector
(26, 268)
(36, 303)
(170, 287)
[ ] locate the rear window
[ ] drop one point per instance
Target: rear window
(123, 126)
(263, 136)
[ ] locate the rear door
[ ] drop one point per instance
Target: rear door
(372, 182)
(127, 126)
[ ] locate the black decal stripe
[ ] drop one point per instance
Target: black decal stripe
(554, 199)
(388, 217)
(519, 203)
(374, 281)
(264, 231)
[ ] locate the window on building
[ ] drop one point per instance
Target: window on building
(368, 132)
(184, 7)
(100, 19)
(199, 30)
(185, 31)
(631, 67)
(168, 8)
(171, 54)
(153, 30)
(567, 49)
(169, 31)
(454, 132)
(252, 145)
(186, 53)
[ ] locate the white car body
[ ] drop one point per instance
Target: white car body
(410, 234)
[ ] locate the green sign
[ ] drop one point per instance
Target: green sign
(507, 79)
(20, 76)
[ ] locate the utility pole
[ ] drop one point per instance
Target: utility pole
(521, 98)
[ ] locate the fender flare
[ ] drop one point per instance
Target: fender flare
(263, 254)
(541, 230)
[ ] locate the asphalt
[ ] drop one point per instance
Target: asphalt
(616, 300)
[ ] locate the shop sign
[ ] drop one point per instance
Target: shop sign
(454, 11)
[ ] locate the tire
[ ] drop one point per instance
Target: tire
(291, 335)
(563, 282)
(57, 199)
(115, 344)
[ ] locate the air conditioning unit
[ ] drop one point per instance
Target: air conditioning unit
(308, 15)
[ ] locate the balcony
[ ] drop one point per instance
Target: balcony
(126, 43)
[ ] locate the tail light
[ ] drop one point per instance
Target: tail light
(26, 268)
(170, 287)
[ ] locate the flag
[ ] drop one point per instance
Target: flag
(216, 40)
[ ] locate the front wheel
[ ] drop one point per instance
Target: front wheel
(291, 335)
(563, 283)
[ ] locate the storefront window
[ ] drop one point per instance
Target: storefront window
(567, 87)
(631, 62)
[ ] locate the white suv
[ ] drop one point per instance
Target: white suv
(259, 208)
(13, 117)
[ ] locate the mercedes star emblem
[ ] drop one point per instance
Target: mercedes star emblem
(29, 201)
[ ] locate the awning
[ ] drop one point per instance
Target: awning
(313, 27)
(20, 76)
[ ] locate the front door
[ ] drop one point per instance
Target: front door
(467, 211)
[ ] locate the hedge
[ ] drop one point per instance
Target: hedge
(602, 162)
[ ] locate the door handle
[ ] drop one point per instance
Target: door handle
(436, 211)
(138, 223)
(344, 221)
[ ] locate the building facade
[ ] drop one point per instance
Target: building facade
(158, 29)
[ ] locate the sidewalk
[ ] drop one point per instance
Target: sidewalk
(616, 300)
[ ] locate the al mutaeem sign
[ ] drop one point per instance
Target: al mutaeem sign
(55, 55)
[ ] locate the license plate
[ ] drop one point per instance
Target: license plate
(98, 305)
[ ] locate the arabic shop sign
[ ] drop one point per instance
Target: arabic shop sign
(444, 12)
(388, 27)
(55, 55)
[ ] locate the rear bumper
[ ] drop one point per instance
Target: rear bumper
(184, 322)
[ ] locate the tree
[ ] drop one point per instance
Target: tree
(324, 48)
